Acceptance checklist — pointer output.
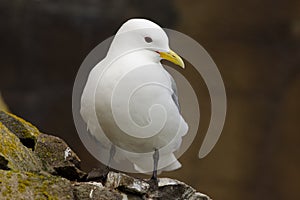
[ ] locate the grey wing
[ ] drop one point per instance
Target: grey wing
(175, 94)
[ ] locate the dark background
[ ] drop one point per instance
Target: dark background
(255, 44)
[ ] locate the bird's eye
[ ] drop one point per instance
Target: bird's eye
(148, 39)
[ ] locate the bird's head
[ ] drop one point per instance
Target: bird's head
(142, 34)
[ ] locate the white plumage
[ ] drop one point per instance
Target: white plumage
(130, 101)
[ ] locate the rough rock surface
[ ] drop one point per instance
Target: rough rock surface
(34, 165)
(54, 152)
(14, 154)
(27, 185)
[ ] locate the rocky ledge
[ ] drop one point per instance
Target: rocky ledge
(34, 165)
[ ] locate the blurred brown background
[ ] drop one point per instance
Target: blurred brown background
(256, 45)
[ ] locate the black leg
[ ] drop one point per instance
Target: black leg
(100, 174)
(112, 153)
(153, 181)
(155, 159)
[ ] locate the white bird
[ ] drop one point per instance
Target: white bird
(130, 101)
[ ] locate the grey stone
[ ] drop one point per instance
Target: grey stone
(51, 170)
(55, 152)
(26, 132)
(95, 190)
(31, 186)
(174, 189)
(141, 189)
(126, 183)
(14, 155)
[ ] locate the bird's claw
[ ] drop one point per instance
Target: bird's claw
(153, 182)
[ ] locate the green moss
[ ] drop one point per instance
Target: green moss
(17, 185)
(19, 157)
(26, 175)
(19, 126)
(9, 174)
(21, 187)
(48, 196)
(7, 191)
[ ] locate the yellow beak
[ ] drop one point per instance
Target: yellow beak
(172, 57)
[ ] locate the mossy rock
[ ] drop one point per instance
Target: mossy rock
(26, 132)
(47, 168)
(15, 154)
(55, 152)
(27, 185)
(95, 190)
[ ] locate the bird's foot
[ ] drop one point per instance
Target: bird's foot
(153, 182)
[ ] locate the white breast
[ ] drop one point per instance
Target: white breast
(132, 97)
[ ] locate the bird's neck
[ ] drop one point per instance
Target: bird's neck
(144, 55)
